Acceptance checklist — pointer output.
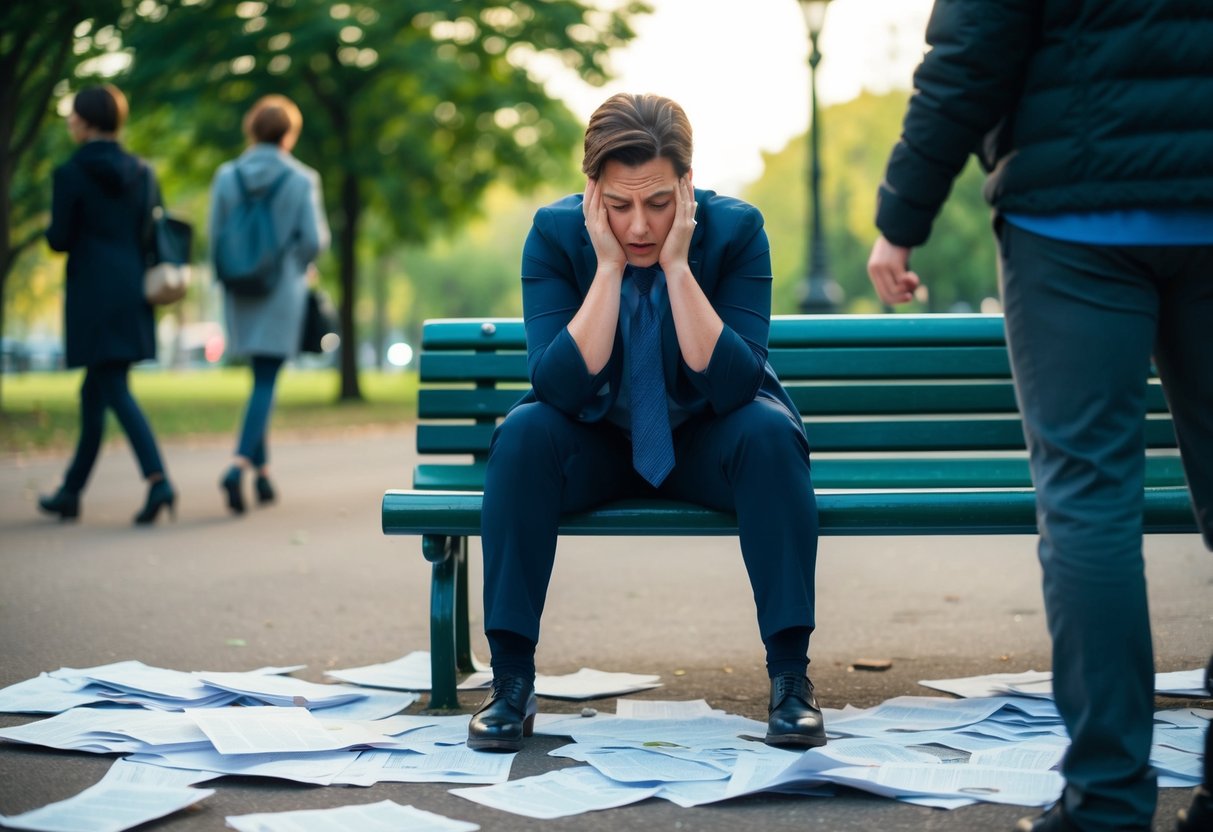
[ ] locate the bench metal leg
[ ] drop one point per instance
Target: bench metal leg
(441, 551)
(464, 661)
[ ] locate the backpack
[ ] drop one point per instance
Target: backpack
(247, 249)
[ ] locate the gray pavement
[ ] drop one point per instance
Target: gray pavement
(313, 581)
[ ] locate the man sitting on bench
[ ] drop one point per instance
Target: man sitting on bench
(647, 307)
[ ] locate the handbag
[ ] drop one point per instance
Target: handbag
(168, 241)
(319, 320)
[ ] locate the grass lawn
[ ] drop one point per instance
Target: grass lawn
(41, 410)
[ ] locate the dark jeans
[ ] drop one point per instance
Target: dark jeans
(257, 414)
(753, 461)
(1082, 324)
(105, 386)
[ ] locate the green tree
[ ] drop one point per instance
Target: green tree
(957, 263)
(411, 108)
(41, 44)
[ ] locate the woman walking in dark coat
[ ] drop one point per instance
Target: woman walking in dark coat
(98, 216)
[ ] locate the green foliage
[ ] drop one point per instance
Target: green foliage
(44, 408)
(958, 263)
(411, 109)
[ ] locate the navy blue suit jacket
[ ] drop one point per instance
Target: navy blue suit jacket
(731, 260)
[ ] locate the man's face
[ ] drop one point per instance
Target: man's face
(640, 206)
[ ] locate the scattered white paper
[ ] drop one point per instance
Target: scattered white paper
(374, 704)
(1040, 684)
(558, 794)
(46, 694)
(644, 765)
(989, 784)
(1181, 683)
(658, 709)
(991, 684)
(385, 816)
(449, 764)
(411, 672)
(317, 768)
(915, 713)
(142, 774)
(270, 729)
(282, 690)
(588, 683)
(107, 807)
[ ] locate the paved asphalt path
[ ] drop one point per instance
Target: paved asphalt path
(313, 581)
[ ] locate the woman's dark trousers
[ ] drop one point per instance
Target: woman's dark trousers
(105, 387)
(257, 414)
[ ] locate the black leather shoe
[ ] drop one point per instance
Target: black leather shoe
(265, 490)
(65, 504)
(231, 487)
(159, 495)
(1199, 816)
(1054, 820)
(793, 717)
(505, 717)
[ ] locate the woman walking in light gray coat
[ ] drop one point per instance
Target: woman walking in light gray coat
(266, 329)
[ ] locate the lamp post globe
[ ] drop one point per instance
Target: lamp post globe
(819, 293)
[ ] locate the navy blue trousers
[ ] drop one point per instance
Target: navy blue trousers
(252, 445)
(753, 461)
(1082, 325)
(105, 387)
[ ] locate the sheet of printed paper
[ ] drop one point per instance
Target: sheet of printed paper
(107, 807)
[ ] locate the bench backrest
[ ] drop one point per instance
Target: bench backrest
(932, 391)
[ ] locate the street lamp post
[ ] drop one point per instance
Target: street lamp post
(820, 293)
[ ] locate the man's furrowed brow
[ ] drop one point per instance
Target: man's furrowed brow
(664, 192)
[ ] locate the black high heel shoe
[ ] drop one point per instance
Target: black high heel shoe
(64, 503)
(265, 490)
(231, 487)
(159, 495)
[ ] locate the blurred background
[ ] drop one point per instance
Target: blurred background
(438, 128)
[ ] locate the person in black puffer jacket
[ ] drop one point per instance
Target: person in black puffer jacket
(1094, 119)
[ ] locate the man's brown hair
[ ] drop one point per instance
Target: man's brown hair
(634, 129)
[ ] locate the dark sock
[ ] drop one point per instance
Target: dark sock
(788, 651)
(512, 654)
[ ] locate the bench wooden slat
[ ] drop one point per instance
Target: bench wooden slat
(818, 399)
(790, 365)
(467, 403)
(883, 363)
(786, 331)
(473, 366)
(1011, 511)
(834, 472)
(994, 434)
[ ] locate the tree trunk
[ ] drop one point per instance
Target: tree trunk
(351, 208)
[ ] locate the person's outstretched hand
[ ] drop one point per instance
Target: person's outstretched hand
(678, 242)
(606, 246)
(889, 271)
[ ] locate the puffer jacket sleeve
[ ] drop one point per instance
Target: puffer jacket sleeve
(968, 81)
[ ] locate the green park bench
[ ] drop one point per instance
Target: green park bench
(911, 419)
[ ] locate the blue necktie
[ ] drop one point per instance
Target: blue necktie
(652, 444)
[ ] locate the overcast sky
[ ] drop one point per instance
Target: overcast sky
(742, 76)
